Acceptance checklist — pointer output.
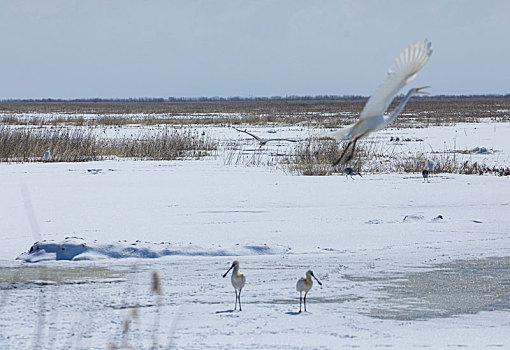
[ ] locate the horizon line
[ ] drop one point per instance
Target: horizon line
(238, 98)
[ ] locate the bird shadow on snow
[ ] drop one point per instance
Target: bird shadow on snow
(224, 311)
(294, 313)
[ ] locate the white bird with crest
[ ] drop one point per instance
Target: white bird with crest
(373, 118)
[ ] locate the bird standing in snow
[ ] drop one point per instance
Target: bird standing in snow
(238, 280)
(304, 284)
(350, 171)
(427, 169)
(430, 165)
(425, 174)
(372, 118)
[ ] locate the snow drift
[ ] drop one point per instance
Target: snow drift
(75, 249)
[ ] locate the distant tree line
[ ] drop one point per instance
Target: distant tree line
(239, 98)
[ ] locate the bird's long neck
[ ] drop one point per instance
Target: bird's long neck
(399, 108)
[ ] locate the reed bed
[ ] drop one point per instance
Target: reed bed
(83, 144)
(315, 157)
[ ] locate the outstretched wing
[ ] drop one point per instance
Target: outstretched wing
(249, 133)
(402, 71)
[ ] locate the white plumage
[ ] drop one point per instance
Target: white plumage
(304, 284)
(372, 118)
(430, 165)
(238, 280)
(262, 141)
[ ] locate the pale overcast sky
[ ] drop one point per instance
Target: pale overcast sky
(134, 48)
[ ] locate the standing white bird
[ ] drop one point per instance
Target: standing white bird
(304, 284)
(425, 174)
(262, 141)
(427, 169)
(238, 280)
(372, 118)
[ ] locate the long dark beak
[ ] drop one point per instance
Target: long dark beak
(320, 283)
(422, 92)
(226, 273)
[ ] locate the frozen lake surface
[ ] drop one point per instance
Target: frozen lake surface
(422, 281)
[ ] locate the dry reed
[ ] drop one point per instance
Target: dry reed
(316, 156)
(82, 144)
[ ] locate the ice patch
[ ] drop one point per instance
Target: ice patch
(75, 249)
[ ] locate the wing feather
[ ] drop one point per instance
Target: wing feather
(402, 72)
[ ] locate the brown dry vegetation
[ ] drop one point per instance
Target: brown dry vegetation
(79, 144)
(319, 113)
(316, 156)
(313, 157)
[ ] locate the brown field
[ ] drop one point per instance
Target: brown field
(321, 113)
(314, 157)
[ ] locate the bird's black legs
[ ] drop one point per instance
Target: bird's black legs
(352, 151)
(300, 297)
(342, 155)
(349, 157)
(238, 297)
(425, 174)
(304, 300)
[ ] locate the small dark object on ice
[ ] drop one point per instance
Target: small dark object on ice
(350, 171)
(425, 174)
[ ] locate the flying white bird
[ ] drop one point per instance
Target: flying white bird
(262, 141)
(372, 118)
(238, 280)
(304, 284)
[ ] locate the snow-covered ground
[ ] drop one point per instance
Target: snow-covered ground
(404, 264)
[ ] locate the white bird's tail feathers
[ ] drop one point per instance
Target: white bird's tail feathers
(342, 134)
